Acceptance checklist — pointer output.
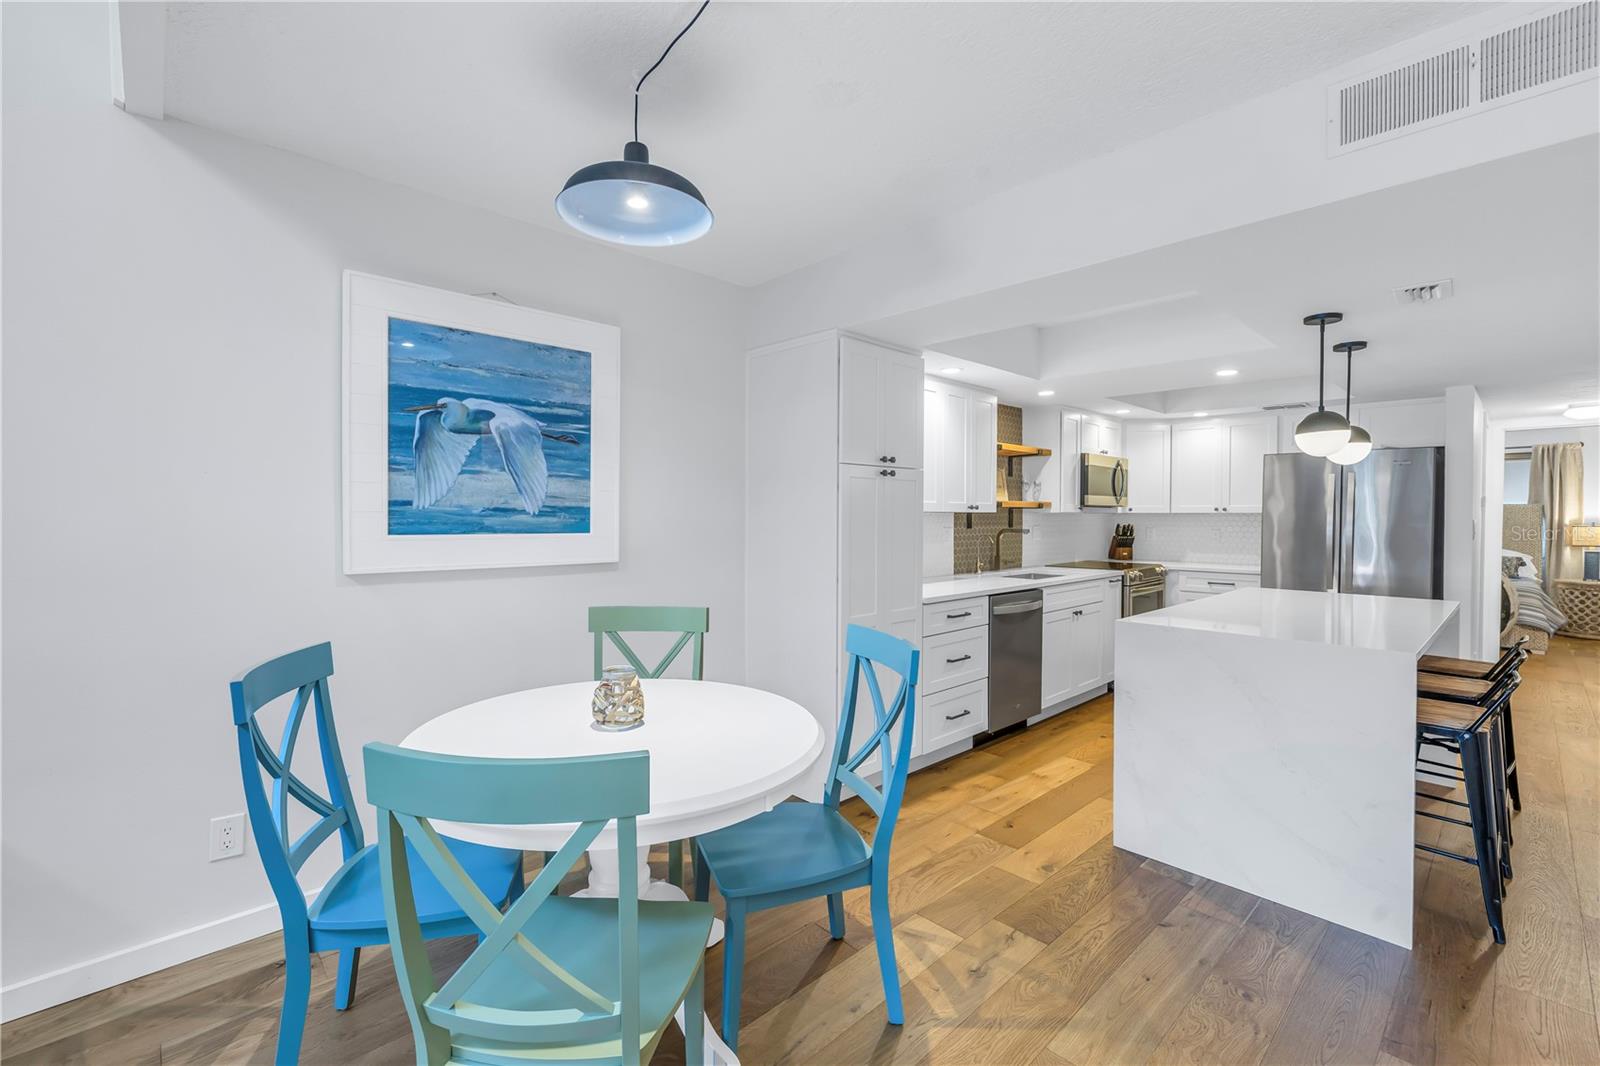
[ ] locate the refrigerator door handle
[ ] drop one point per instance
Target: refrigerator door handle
(1346, 540)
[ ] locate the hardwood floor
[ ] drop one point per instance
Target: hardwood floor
(1025, 937)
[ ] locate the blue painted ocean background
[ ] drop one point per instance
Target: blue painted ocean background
(428, 363)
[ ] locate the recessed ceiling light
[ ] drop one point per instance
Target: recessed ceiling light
(1201, 414)
(951, 370)
(1227, 373)
(1120, 411)
(407, 344)
(1047, 392)
(1583, 410)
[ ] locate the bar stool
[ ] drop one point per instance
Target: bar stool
(1472, 732)
(1433, 679)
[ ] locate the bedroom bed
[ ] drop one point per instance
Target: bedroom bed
(1526, 608)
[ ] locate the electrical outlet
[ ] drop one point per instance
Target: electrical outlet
(227, 837)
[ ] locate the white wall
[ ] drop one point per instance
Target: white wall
(1464, 502)
(1589, 437)
(171, 467)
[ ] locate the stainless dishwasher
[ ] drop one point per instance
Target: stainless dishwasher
(1016, 647)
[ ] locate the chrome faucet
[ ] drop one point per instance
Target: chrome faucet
(995, 541)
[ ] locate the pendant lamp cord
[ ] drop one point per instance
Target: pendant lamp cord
(1322, 359)
(658, 62)
(1349, 361)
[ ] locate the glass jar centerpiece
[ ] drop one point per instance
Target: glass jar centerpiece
(618, 699)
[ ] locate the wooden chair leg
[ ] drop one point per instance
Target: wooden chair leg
(694, 1020)
(702, 878)
(675, 863)
(883, 936)
(836, 915)
(732, 971)
(296, 995)
(344, 992)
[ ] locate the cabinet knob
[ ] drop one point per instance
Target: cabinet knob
(883, 458)
(891, 473)
(893, 459)
(883, 473)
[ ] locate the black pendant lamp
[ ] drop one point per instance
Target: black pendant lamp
(1360, 443)
(1322, 432)
(631, 200)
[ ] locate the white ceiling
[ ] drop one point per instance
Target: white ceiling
(1519, 237)
(807, 126)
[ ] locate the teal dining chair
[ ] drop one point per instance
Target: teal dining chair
(348, 913)
(799, 851)
(555, 978)
(690, 623)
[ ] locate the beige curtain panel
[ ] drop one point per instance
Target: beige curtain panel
(1555, 480)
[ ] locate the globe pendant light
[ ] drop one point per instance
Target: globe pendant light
(1322, 432)
(1360, 444)
(631, 200)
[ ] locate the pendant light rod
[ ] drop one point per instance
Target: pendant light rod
(659, 61)
(1349, 348)
(1322, 320)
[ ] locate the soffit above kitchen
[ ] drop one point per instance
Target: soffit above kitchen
(807, 126)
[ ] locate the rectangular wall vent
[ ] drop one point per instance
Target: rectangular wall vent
(1529, 57)
(1540, 53)
(1428, 292)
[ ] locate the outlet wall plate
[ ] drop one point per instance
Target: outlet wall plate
(227, 837)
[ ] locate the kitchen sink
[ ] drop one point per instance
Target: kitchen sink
(1031, 576)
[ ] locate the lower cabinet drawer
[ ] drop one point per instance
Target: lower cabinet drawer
(954, 714)
(951, 659)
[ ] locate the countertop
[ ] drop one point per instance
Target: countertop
(960, 586)
(1375, 623)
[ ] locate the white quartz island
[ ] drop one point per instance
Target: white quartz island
(1264, 739)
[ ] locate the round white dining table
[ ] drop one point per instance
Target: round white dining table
(719, 753)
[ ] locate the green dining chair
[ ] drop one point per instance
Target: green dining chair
(690, 623)
(554, 978)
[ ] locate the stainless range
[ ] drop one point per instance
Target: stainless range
(1144, 585)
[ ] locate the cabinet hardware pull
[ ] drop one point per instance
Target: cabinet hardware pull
(962, 659)
(883, 458)
(960, 614)
(953, 717)
(891, 473)
(894, 459)
(883, 473)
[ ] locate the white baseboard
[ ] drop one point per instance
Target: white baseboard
(95, 975)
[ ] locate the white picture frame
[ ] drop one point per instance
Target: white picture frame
(373, 475)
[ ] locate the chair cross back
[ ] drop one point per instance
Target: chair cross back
(690, 623)
(867, 647)
(304, 673)
(409, 788)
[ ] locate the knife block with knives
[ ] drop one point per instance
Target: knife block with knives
(1122, 542)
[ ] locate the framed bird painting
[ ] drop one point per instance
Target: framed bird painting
(477, 433)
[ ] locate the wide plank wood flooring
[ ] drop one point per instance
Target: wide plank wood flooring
(1025, 937)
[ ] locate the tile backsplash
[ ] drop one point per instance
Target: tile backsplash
(1198, 538)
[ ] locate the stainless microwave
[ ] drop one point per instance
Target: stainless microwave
(1103, 480)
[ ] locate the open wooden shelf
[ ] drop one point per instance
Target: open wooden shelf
(1007, 450)
(1020, 504)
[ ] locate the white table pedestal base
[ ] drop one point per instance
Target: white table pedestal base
(605, 880)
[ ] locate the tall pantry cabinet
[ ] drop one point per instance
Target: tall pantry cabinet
(833, 520)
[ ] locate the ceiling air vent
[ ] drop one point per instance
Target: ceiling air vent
(1528, 57)
(1285, 406)
(1431, 292)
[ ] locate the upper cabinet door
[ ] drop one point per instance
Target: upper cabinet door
(1196, 467)
(880, 404)
(932, 446)
(955, 468)
(1246, 443)
(1071, 463)
(982, 427)
(1149, 452)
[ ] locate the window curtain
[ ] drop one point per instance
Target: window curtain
(1555, 480)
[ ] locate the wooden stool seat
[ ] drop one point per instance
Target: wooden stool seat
(1444, 715)
(1443, 664)
(1453, 687)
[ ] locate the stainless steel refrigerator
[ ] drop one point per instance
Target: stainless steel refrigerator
(1375, 528)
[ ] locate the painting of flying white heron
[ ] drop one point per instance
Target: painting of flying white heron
(478, 432)
(486, 434)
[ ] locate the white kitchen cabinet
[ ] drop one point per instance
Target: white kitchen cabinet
(1110, 611)
(1149, 452)
(1410, 424)
(1246, 442)
(1071, 466)
(880, 404)
(1101, 436)
(1190, 585)
(1088, 658)
(1077, 644)
(959, 444)
(1055, 668)
(1196, 467)
(952, 715)
(829, 540)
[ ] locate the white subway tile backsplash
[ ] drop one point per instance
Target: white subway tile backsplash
(1177, 538)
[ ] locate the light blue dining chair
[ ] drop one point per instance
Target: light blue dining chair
(556, 978)
(348, 914)
(690, 623)
(799, 851)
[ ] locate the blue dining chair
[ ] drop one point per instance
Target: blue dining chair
(348, 913)
(799, 851)
(690, 623)
(556, 978)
